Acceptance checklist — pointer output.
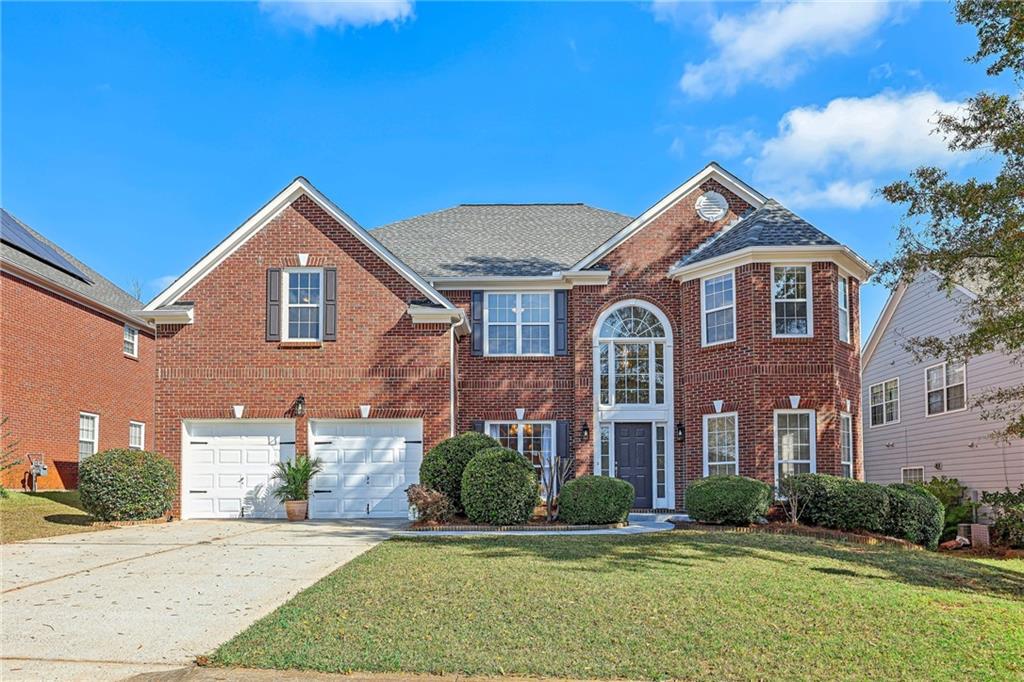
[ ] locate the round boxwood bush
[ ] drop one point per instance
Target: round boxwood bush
(595, 500)
(915, 514)
(733, 500)
(855, 505)
(126, 485)
(443, 466)
(499, 487)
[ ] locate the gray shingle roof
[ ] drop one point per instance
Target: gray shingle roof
(100, 290)
(771, 225)
(482, 240)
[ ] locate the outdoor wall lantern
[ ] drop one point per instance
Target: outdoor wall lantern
(585, 432)
(680, 432)
(300, 405)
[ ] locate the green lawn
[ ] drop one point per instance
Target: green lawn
(24, 516)
(693, 605)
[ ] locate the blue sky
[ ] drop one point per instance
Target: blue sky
(137, 135)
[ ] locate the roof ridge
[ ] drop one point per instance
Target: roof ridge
(528, 203)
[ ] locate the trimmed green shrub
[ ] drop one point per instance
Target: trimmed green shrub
(499, 487)
(842, 503)
(816, 493)
(443, 466)
(733, 500)
(957, 509)
(914, 514)
(595, 500)
(126, 485)
(1008, 507)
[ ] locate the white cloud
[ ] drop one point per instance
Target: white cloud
(312, 14)
(772, 43)
(155, 286)
(728, 142)
(837, 154)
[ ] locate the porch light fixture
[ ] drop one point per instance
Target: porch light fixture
(794, 401)
(680, 432)
(300, 406)
(364, 411)
(585, 432)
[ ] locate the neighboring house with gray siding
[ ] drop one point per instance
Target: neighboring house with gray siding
(918, 419)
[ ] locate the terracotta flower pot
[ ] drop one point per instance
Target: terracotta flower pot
(296, 509)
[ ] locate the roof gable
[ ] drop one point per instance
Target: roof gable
(300, 186)
(709, 172)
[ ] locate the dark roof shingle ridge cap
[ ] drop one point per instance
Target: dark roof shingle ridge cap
(525, 203)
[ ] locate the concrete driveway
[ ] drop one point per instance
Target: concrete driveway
(115, 603)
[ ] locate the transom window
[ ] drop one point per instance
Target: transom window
(131, 341)
(721, 444)
(631, 358)
(912, 475)
(88, 434)
(846, 444)
(791, 300)
(518, 323)
(136, 435)
(946, 387)
(303, 306)
(884, 398)
(843, 304)
(794, 443)
(719, 309)
(535, 440)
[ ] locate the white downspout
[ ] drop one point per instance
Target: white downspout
(451, 379)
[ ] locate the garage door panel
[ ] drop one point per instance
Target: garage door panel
(229, 456)
(328, 455)
(202, 456)
(257, 456)
(355, 456)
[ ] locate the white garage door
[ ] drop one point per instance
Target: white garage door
(367, 465)
(227, 467)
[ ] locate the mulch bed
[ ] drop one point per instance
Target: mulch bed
(537, 523)
(990, 552)
(780, 528)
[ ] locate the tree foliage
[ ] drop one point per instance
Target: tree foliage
(971, 232)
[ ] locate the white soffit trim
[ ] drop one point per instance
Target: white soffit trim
(711, 171)
(168, 316)
(270, 210)
(843, 256)
(425, 314)
(556, 280)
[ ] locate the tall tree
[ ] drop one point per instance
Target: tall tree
(972, 232)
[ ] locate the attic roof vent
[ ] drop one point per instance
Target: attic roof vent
(712, 206)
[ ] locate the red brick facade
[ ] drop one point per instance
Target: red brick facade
(403, 369)
(59, 358)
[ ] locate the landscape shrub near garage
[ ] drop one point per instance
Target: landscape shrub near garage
(443, 466)
(734, 500)
(595, 500)
(126, 485)
(914, 514)
(499, 487)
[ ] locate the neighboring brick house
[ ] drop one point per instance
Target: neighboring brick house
(76, 362)
(717, 332)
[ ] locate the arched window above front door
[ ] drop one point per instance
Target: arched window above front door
(631, 357)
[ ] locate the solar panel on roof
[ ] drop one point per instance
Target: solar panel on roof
(14, 234)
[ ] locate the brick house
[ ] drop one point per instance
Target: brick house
(717, 332)
(77, 364)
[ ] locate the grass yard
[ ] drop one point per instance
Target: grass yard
(666, 605)
(24, 516)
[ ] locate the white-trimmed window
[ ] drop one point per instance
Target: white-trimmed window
(131, 341)
(88, 434)
(518, 323)
(791, 301)
(302, 309)
(604, 454)
(631, 358)
(721, 444)
(912, 474)
(795, 443)
(946, 389)
(884, 401)
(535, 440)
(718, 309)
(659, 461)
(846, 444)
(843, 304)
(136, 435)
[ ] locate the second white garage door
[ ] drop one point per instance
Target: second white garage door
(367, 465)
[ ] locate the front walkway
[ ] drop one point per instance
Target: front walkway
(114, 603)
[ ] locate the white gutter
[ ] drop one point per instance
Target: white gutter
(556, 280)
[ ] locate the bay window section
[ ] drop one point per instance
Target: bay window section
(791, 301)
(518, 323)
(846, 445)
(794, 443)
(718, 321)
(843, 294)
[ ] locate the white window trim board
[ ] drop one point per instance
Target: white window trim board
(945, 386)
(285, 305)
(899, 403)
(809, 269)
(813, 443)
(736, 436)
(518, 324)
(704, 311)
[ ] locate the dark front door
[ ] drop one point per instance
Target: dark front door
(633, 459)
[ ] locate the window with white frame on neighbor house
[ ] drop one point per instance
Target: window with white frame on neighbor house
(912, 475)
(946, 387)
(88, 434)
(131, 341)
(303, 304)
(136, 435)
(791, 300)
(518, 323)
(884, 402)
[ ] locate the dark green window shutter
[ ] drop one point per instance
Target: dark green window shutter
(478, 425)
(274, 304)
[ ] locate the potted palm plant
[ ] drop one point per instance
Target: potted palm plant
(294, 478)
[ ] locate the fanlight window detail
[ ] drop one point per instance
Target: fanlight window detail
(632, 322)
